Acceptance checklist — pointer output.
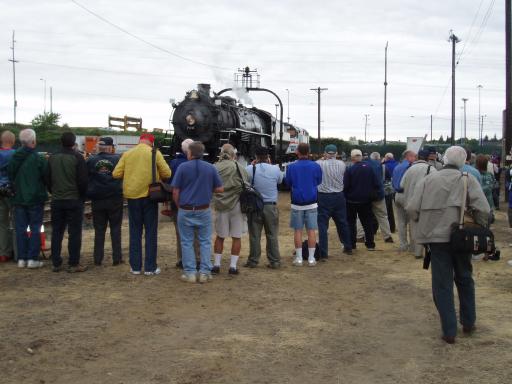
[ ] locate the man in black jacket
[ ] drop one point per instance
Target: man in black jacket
(68, 185)
(106, 194)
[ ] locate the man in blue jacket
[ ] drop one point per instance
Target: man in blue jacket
(361, 187)
(106, 194)
(303, 177)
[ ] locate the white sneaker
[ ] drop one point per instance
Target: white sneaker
(204, 278)
(134, 272)
(509, 262)
(155, 272)
(22, 263)
(33, 264)
(312, 263)
(297, 262)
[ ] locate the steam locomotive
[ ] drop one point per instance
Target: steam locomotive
(217, 120)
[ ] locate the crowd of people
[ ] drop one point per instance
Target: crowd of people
(419, 197)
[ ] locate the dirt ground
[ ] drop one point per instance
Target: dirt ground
(366, 318)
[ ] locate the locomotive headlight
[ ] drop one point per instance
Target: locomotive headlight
(190, 120)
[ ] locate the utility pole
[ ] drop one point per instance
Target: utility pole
(431, 124)
(385, 87)
(51, 100)
(507, 126)
(365, 125)
(14, 61)
(277, 105)
(479, 87)
(319, 91)
(465, 137)
(454, 39)
(288, 93)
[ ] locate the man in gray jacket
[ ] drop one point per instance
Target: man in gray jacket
(416, 172)
(435, 207)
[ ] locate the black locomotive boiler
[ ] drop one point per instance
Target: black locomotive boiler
(217, 120)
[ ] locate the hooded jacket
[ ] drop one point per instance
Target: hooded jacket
(101, 183)
(28, 172)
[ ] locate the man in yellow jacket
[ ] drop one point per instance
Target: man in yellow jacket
(134, 168)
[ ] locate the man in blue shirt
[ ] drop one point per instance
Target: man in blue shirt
(470, 169)
(303, 177)
(409, 157)
(193, 185)
(361, 187)
(264, 177)
(8, 139)
(174, 164)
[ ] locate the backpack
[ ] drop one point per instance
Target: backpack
(250, 199)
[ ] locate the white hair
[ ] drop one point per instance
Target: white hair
(375, 156)
(184, 145)
(455, 156)
(389, 156)
(27, 136)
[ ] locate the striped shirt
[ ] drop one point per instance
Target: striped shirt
(332, 175)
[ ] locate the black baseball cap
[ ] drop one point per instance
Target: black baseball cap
(106, 141)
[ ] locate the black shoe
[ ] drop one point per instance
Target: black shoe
(449, 339)
(216, 270)
(117, 262)
(348, 252)
(389, 240)
(232, 271)
(179, 265)
(274, 265)
(469, 329)
(250, 265)
(495, 256)
(96, 264)
(324, 258)
(57, 268)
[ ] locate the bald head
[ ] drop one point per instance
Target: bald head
(8, 139)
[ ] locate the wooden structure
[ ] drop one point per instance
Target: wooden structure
(125, 122)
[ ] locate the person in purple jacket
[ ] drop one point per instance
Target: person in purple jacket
(303, 177)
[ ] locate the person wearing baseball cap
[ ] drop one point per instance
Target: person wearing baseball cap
(331, 202)
(361, 187)
(432, 157)
(106, 194)
(135, 168)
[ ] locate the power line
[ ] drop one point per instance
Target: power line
(468, 37)
(143, 40)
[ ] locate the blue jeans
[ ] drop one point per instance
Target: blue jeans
(448, 267)
(28, 216)
(332, 205)
(143, 214)
(188, 222)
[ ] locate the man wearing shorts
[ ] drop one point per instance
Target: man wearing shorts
(303, 177)
(229, 220)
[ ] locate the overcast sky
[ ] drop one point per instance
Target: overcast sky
(96, 70)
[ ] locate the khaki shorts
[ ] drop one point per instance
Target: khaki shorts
(230, 223)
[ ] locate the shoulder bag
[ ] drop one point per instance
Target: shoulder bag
(157, 191)
(471, 237)
(250, 199)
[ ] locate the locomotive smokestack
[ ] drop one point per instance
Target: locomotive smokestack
(204, 89)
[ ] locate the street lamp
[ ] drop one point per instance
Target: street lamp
(479, 115)
(366, 116)
(44, 81)
(465, 100)
(288, 93)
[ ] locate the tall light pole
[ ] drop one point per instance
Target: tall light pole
(385, 87)
(366, 116)
(465, 136)
(479, 87)
(277, 106)
(319, 91)
(14, 61)
(288, 94)
(51, 100)
(454, 39)
(44, 81)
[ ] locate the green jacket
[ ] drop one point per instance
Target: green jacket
(226, 201)
(28, 172)
(68, 175)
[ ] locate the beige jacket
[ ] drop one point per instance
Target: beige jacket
(416, 172)
(436, 204)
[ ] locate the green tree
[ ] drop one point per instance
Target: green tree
(441, 140)
(45, 122)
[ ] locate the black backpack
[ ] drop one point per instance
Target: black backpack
(250, 199)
